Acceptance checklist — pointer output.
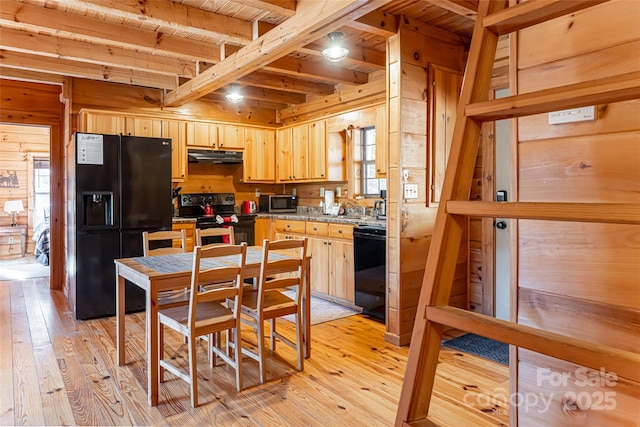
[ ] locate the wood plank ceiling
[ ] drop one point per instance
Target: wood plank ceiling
(197, 48)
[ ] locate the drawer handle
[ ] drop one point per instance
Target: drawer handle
(315, 229)
(340, 231)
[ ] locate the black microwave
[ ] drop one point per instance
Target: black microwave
(278, 203)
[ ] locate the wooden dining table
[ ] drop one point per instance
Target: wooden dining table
(160, 273)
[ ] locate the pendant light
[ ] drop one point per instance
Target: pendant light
(335, 52)
(234, 96)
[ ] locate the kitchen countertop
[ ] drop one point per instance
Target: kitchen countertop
(340, 219)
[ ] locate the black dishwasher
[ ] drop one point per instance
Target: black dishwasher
(369, 252)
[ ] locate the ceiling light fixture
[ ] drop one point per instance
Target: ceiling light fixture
(335, 52)
(234, 96)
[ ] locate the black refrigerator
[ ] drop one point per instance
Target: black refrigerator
(121, 187)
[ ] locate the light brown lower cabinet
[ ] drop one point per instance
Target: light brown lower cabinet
(191, 234)
(331, 249)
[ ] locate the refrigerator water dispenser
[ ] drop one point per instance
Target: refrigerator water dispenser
(98, 209)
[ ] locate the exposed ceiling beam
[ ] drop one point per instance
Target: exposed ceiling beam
(65, 24)
(281, 7)
(170, 15)
(65, 67)
(466, 8)
(376, 22)
(273, 95)
(316, 70)
(357, 55)
(286, 83)
(312, 17)
(219, 98)
(56, 47)
(30, 76)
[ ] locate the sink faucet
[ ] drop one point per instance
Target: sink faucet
(354, 204)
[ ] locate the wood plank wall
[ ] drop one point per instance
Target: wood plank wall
(410, 222)
(18, 144)
(40, 104)
(577, 279)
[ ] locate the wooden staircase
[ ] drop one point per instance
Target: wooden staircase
(474, 108)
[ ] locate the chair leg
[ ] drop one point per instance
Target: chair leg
(238, 358)
(211, 354)
(299, 340)
(193, 371)
(261, 362)
(272, 337)
(160, 352)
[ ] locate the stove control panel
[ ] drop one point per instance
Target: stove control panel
(213, 199)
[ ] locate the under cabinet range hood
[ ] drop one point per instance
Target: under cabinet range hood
(211, 156)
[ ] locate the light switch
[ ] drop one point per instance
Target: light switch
(410, 191)
(257, 192)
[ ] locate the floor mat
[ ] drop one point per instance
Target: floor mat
(481, 346)
(19, 270)
(323, 311)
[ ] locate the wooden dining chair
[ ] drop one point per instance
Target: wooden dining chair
(208, 312)
(151, 239)
(167, 237)
(268, 302)
(216, 232)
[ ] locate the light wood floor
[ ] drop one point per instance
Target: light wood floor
(55, 370)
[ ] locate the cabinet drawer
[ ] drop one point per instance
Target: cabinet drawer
(290, 226)
(342, 231)
(317, 228)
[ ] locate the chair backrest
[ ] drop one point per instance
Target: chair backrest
(167, 236)
(212, 232)
(290, 260)
(221, 265)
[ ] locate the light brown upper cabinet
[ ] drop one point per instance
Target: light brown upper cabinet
(231, 137)
(302, 152)
(202, 135)
(177, 131)
(300, 145)
(381, 141)
(144, 126)
(318, 151)
(445, 85)
(259, 163)
(101, 123)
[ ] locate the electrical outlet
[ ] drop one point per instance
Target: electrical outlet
(411, 191)
(321, 191)
(257, 192)
(10, 240)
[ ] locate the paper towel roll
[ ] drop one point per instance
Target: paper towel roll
(329, 200)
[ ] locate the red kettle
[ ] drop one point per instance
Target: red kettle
(208, 209)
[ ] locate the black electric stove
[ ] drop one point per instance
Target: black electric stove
(224, 214)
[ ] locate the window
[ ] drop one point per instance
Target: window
(371, 185)
(41, 200)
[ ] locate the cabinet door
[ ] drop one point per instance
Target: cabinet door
(318, 249)
(142, 126)
(259, 163)
(284, 155)
(263, 230)
(341, 277)
(318, 151)
(446, 86)
(231, 137)
(300, 148)
(203, 135)
(381, 141)
(101, 123)
(177, 131)
(190, 228)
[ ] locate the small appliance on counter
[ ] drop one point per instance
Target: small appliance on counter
(278, 203)
(249, 207)
(328, 206)
(380, 206)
